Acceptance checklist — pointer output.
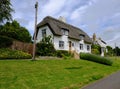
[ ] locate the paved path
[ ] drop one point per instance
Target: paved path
(110, 82)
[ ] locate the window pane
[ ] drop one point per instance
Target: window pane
(64, 32)
(81, 46)
(73, 44)
(82, 37)
(61, 44)
(88, 47)
(43, 32)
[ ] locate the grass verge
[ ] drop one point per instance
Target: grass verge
(52, 74)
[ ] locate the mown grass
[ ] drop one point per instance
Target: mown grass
(52, 74)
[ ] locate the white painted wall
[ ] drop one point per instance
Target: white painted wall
(66, 40)
(48, 32)
(61, 38)
(85, 47)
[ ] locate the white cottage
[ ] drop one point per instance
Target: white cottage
(64, 36)
(101, 43)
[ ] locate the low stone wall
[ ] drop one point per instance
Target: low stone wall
(26, 47)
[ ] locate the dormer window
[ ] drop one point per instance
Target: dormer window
(82, 37)
(64, 32)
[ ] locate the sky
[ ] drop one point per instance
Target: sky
(92, 16)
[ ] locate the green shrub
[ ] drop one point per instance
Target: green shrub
(6, 53)
(45, 47)
(96, 49)
(95, 58)
(63, 54)
(5, 41)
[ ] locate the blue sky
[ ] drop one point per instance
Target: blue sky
(92, 16)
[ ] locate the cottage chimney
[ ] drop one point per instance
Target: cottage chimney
(94, 37)
(61, 18)
(99, 38)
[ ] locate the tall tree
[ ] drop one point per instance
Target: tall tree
(110, 51)
(5, 10)
(15, 31)
(116, 51)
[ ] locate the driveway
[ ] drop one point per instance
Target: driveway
(110, 82)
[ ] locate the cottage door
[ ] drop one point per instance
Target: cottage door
(70, 44)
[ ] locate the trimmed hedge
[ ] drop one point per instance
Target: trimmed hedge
(6, 53)
(96, 58)
(5, 41)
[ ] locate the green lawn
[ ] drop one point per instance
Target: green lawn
(52, 74)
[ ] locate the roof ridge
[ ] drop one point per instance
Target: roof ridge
(62, 22)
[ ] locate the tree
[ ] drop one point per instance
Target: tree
(96, 49)
(116, 51)
(5, 10)
(109, 51)
(15, 31)
(24, 35)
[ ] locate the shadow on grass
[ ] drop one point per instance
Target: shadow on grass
(73, 68)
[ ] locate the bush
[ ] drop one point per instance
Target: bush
(96, 49)
(6, 53)
(45, 47)
(5, 41)
(95, 58)
(64, 54)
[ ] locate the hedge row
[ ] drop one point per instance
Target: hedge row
(5, 41)
(96, 58)
(6, 53)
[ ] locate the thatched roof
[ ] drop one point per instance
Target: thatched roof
(56, 25)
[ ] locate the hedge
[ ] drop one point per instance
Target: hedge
(5, 41)
(6, 53)
(96, 58)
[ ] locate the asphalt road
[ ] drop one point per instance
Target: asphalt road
(110, 82)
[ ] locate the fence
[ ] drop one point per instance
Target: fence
(26, 47)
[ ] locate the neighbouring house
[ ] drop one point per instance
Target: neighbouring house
(64, 35)
(101, 43)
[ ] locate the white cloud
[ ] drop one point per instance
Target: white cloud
(79, 11)
(53, 6)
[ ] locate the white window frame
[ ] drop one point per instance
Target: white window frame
(88, 47)
(43, 32)
(81, 46)
(61, 44)
(64, 32)
(82, 37)
(73, 44)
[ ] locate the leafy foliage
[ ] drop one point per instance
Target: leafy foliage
(45, 47)
(96, 49)
(6, 53)
(64, 54)
(5, 10)
(95, 58)
(116, 51)
(5, 41)
(15, 31)
(110, 51)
